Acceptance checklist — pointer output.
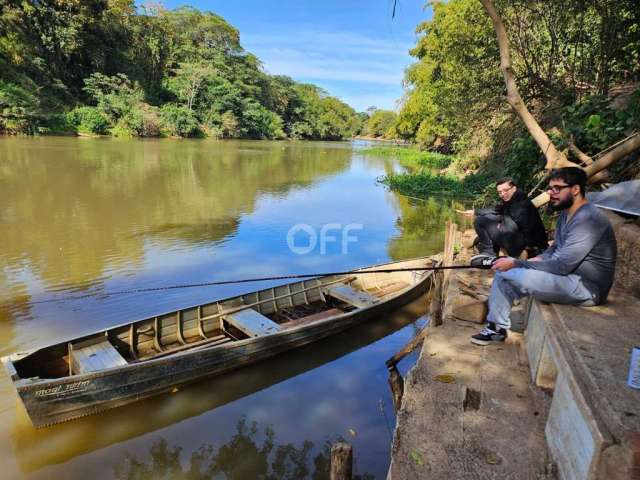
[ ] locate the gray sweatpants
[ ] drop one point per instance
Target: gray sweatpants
(548, 287)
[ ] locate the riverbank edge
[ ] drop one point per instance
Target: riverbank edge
(468, 411)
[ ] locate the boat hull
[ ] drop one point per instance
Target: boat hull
(53, 401)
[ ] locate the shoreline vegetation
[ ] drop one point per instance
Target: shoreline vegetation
(429, 174)
(114, 68)
(111, 68)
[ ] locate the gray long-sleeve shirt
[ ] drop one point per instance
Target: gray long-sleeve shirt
(584, 245)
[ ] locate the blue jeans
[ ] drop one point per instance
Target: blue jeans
(520, 282)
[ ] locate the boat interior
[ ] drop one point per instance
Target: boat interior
(251, 315)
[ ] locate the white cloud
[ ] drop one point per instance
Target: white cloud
(361, 70)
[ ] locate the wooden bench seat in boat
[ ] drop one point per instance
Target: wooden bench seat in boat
(352, 296)
(252, 323)
(94, 356)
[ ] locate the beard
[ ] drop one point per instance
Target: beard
(562, 204)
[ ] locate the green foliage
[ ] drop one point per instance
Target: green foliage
(58, 123)
(567, 58)
(425, 184)
(412, 157)
(116, 96)
(595, 125)
(258, 122)
(456, 80)
(179, 121)
(380, 123)
(129, 64)
(88, 120)
(522, 160)
(18, 109)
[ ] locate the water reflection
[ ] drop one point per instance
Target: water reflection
(86, 208)
(252, 453)
(420, 225)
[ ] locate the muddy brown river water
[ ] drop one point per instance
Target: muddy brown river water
(84, 217)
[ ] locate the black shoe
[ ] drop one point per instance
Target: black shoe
(482, 260)
(489, 334)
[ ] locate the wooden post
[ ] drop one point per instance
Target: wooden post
(442, 279)
(436, 300)
(341, 461)
(397, 387)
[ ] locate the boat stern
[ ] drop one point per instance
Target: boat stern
(8, 364)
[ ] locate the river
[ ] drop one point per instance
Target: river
(80, 218)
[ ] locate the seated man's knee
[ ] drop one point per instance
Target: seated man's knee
(482, 221)
(516, 276)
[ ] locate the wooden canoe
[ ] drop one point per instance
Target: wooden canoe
(128, 362)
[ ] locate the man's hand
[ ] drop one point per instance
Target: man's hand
(503, 264)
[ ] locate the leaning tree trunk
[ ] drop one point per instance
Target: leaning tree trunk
(555, 158)
(624, 148)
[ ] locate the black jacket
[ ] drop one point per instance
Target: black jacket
(525, 214)
(519, 214)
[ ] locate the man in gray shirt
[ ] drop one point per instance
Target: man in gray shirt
(578, 269)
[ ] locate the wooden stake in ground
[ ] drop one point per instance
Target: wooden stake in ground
(341, 461)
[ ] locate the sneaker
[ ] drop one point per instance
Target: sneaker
(489, 334)
(482, 260)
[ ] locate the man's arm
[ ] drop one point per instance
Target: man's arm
(581, 238)
(547, 254)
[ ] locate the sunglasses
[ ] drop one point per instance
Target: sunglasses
(558, 188)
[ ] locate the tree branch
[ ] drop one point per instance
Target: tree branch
(554, 157)
(621, 150)
(580, 155)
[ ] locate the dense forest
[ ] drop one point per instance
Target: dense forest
(109, 67)
(576, 65)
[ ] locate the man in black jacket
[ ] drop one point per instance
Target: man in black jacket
(513, 225)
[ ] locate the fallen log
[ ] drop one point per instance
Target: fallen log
(620, 150)
(407, 349)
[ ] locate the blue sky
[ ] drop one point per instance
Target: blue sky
(351, 48)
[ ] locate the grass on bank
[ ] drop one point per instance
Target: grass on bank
(412, 157)
(425, 184)
(423, 179)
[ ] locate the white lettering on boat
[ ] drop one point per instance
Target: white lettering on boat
(63, 389)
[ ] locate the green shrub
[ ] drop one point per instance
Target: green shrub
(426, 184)
(258, 122)
(140, 121)
(18, 109)
(595, 125)
(179, 121)
(412, 157)
(88, 120)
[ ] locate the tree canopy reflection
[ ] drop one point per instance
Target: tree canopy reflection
(250, 454)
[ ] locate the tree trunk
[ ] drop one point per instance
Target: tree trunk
(555, 158)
